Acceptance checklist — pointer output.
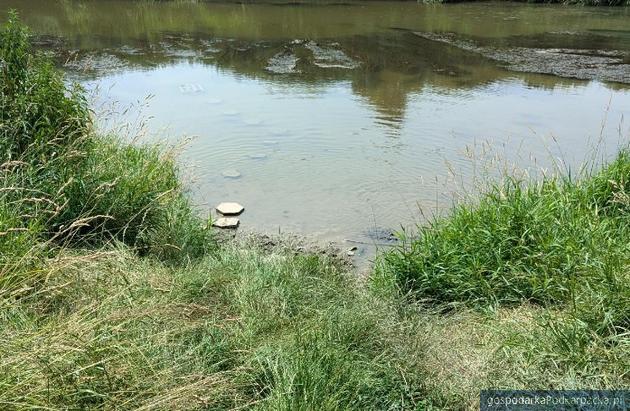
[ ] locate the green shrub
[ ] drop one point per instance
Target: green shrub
(39, 115)
(131, 194)
(76, 187)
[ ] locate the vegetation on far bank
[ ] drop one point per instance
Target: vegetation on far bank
(113, 293)
(565, 2)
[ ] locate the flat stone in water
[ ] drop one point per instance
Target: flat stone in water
(258, 156)
(226, 222)
(231, 174)
(329, 57)
(230, 208)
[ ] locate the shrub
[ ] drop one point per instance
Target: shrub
(76, 187)
(39, 115)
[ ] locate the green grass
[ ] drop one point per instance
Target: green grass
(547, 243)
(542, 243)
(63, 182)
(241, 328)
(562, 244)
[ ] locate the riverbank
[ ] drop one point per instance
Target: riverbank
(114, 293)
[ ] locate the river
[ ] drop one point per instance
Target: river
(347, 120)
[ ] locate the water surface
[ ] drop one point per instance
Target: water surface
(346, 120)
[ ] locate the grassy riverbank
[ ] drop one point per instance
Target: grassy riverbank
(558, 249)
(114, 294)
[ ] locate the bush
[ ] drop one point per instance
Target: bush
(39, 115)
(131, 194)
(76, 187)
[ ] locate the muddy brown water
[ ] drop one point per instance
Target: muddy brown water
(344, 121)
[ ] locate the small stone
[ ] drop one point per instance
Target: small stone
(226, 222)
(231, 174)
(230, 208)
(258, 156)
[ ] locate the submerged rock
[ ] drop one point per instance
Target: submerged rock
(284, 62)
(232, 173)
(584, 64)
(191, 88)
(381, 234)
(96, 62)
(226, 222)
(330, 57)
(230, 208)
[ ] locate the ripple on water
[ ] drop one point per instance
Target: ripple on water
(230, 113)
(253, 122)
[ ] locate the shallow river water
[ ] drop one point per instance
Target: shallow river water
(347, 120)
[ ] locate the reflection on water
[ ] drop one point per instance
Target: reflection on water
(341, 120)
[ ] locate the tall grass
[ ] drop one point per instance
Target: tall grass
(238, 329)
(562, 244)
(62, 182)
(540, 243)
